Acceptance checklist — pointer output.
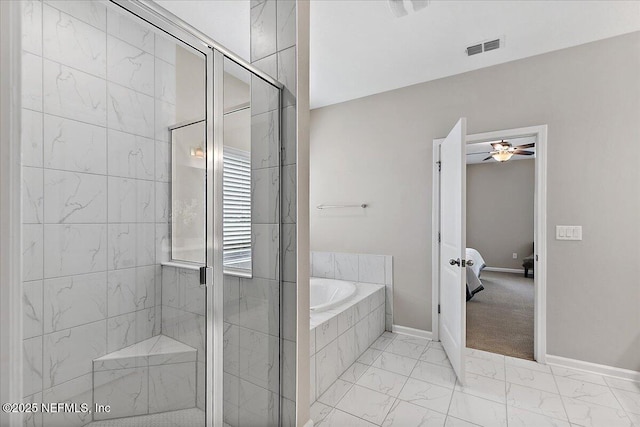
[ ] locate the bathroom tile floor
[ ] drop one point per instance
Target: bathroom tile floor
(405, 381)
(181, 418)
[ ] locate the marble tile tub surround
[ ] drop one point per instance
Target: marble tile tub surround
(406, 381)
(95, 191)
(365, 268)
(341, 335)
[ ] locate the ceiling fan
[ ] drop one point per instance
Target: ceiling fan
(503, 150)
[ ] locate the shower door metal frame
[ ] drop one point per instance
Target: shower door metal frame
(214, 56)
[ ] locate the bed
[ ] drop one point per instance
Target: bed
(474, 285)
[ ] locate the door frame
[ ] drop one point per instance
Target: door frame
(540, 230)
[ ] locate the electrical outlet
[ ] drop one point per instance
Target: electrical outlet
(515, 255)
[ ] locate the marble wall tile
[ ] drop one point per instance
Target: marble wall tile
(259, 305)
(31, 309)
(165, 74)
(163, 161)
(259, 359)
(191, 292)
(73, 197)
(287, 75)
(288, 311)
(326, 333)
(33, 419)
(32, 366)
(130, 66)
(74, 94)
(125, 27)
(32, 26)
(286, 23)
(265, 195)
(32, 196)
(125, 390)
(312, 341)
(131, 200)
(231, 299)
(265, 146)
(77, 390)
(231, 358)
(371, 268)
(266, 251)
(130, 156)
(289, 369)
(346, 320)
(231, 385)
(322, 265)
(312, 383)
(201, 397)
(165, 48)
(289, 247)
(71, 42)
(326, 367)
(91, 12)
(131, 289)
(31, 75)
(263, 30)
(362, 336)
(289, 196)
(347, 347)
(130, 111)
(69, 354)
(31, 138)
(163, 243)
(74, 249)
(172, 387)
(32, 252)
(289, 145)
(131, 245)
(257, 405)
(74, 300)
(186, 327)
(163, 208)
(346, 266)
(131, 328)
(74, 146)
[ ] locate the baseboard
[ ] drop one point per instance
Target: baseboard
(309, 423)
(593, 368)
(504, 270)
(419, 333)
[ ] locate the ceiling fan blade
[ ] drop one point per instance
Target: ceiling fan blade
(523, 146)
(524, 153)
(487, 158)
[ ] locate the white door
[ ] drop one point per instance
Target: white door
(453, 275)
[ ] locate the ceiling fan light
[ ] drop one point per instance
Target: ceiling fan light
(502, 156)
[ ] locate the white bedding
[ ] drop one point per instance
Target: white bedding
(473, 272)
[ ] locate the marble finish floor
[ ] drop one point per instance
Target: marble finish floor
(405, 381)
(182, 418)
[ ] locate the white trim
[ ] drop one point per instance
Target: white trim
(504, 270)
(593, 368)
(418, 333)
(10, 211)
(540, 229)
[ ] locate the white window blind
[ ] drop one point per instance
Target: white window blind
(236, 198)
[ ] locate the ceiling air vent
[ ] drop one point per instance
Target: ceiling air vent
(484, 46)
(491, 45)
(474, 50)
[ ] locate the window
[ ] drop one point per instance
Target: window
(236, 209)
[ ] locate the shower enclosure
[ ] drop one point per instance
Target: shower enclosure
(151, 222)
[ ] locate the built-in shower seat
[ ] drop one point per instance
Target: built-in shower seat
(154, 375)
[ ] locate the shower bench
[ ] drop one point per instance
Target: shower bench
(154, 375)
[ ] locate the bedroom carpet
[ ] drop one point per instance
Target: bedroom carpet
(500, 318)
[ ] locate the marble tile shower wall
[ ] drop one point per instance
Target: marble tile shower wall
(96, 105)
(363, 268)
(273, 50)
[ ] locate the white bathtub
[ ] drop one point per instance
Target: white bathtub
(328, 293)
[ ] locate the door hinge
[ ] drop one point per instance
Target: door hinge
(438, 308)
(439, 237)
(206, 275)
(439, 163)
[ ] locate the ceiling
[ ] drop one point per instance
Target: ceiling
(478, 151)
(359, 48)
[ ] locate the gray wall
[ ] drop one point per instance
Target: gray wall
(499, 195)
(378, 150)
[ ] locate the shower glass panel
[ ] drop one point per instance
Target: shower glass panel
(107, 321)
(252, 363)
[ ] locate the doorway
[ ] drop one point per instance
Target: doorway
(537, 133)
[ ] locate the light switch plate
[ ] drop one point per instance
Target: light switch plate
(568, 232)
